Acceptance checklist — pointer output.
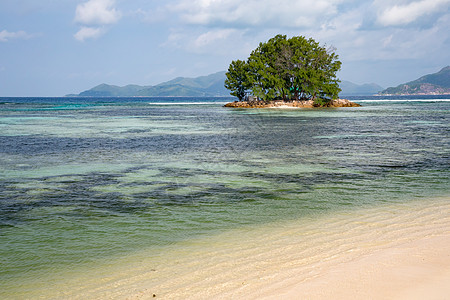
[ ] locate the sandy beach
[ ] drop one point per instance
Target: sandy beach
(416, 266)
(384, 252)
(414, 270)
(395, 251)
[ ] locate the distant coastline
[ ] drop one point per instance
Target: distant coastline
(415, 94)
(432, 84)
(212, 85)
(204, 86)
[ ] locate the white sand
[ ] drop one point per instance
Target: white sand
(392, 251)
(415, 270)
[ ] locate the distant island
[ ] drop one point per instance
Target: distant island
(431, 84)
(213, 86)
(204, 86)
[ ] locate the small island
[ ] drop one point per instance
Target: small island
(290, 104)
(282, 72)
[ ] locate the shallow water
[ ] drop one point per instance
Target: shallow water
(85, 182)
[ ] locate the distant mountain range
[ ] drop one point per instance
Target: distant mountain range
(203, 86)
(431, 84)
(352, 89)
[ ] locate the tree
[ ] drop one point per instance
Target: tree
(237, 80)
(266, 71)
(288, 69)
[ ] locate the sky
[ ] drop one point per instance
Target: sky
(57, 47)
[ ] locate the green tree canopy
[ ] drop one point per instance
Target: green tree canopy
(288, 69)
(237, 80)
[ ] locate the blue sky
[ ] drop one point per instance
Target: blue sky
(56, 47)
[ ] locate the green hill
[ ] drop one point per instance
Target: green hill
(431, 84)
(105, 90)
(203, 86)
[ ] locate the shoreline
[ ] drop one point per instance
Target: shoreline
(373, 253)
(390, 251)
(290, 104)
(412, 263)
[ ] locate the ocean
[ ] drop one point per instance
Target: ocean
(95, 193)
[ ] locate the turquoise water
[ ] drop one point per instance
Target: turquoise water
(85, 181)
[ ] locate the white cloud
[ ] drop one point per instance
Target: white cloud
(212, 36)
(391, 44)
(6, 35)
(410, 12)
(88, 33)
(232, 28)
(286, 13)
(97, 12)
(216, 42)
(94, 15)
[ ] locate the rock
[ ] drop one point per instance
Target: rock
(343, 103)
(288, 104)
